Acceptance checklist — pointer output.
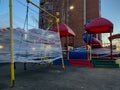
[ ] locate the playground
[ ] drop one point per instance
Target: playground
(55, 78)
(34, 58)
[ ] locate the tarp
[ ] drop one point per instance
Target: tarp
(64, 30)
(99, 25)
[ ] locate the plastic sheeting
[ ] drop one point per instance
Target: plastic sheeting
(35, 45)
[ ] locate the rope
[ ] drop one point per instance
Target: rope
(25, 25)
(32, 11)
(26, 6)
(26, 18)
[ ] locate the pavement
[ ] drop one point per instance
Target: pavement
(53, 77)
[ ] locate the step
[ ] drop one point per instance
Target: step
(117, 61)
(79, 62)
(104, 62)
(107, 66)
(106, 58)
(82, 65)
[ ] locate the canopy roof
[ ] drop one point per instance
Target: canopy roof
(99, 25)
(64, 30)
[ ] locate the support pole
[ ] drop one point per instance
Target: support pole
(63, 65)
(90, 47)
(86, 45)
(11, 45)
(111, 46)
(67, 50)
(73, 42)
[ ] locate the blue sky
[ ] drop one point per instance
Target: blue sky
(19, 13)
(109, 10)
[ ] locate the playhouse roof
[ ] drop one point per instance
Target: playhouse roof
(99, 25)
(65, 30)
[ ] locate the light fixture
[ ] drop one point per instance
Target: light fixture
(1, 46)
(33, 48)
(71, 7)
(57, 13)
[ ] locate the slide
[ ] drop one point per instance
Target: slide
(91, 40)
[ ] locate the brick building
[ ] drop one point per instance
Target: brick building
(83, 11)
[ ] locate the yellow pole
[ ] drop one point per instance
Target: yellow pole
(11, 45)
(57, 21)
(90, 51)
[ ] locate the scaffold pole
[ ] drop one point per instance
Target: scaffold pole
(11, 45)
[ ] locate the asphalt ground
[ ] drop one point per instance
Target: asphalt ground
(53, 77)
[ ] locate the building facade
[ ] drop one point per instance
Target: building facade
(53, 7)
(76, 18)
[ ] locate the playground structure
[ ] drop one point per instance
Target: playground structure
(101, 25)
(40, 46)
(106, 58)
(97, 55)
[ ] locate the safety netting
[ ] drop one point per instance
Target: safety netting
(35, 45)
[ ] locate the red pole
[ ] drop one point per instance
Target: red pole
(86, 45)
(73, 43)
(111, 46)
(95, 35)
(67, 47)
